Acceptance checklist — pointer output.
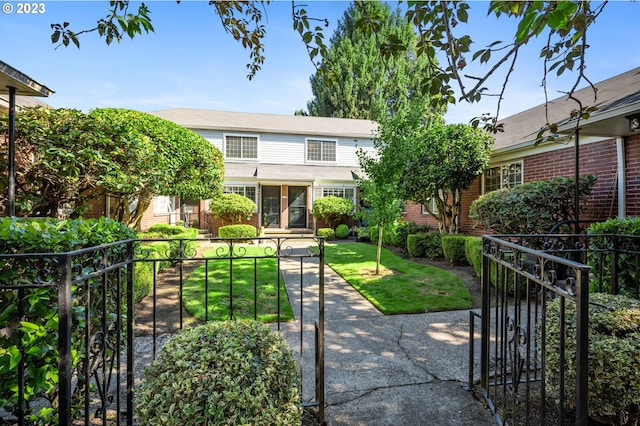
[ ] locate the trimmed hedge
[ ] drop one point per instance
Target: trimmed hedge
(237, 231)
(627, 263)
(415, 245)
(404, 229)
(328, 233)
(614, 356)
(473, 253)
(222, 373)
(432, 245)
(453, 249)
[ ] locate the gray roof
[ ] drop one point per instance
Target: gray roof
(24, 85)
(616, 97)
(268, 123)
(281, 172)
(22, 101)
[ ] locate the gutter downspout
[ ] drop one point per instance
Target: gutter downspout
(622, 187)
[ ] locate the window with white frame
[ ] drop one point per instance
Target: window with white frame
(348, 192)
(248, 191)
(163, 204)
(241, 147)
(431, 206)
(321, 150)
(503, 176)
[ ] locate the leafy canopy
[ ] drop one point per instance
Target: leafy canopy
(232, 208)
(441, 33)
(68, 158)
(445, 161)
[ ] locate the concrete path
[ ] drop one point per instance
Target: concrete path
(382, 370)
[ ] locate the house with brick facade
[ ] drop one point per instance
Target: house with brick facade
(608, 142)
(283, 163)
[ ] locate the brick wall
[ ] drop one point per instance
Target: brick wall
(598, 158)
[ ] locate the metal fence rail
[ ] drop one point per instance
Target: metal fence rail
(68, 332)
(513, 374)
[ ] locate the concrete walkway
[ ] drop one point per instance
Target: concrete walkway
(382, 370)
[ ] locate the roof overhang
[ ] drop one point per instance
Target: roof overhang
(612, 122)
(23, 84)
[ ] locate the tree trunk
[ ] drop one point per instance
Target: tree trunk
(380, 228)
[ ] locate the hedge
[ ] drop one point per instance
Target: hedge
(237, 231)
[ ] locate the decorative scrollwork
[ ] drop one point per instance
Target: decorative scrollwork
(552, 277)
(228, 310)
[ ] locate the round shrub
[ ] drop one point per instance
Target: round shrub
(332, 209)
(222, 373)
(342, 231)
(237, 231)
(232, 208)
(614, 356)
(328, 233)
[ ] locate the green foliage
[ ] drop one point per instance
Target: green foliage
(232, 208)
(166, 230)
(432, 244)
(328, 233)
(532, 207)
(619, 234)
(614, 356)
(453, 249)
(415, 245)
(70, 158)
(237, 372)
(473, 253)
(237, 231)
(342, 231)
(36, 330)
(332, 210)
(445, 161)
(404, 229)
(363, 233)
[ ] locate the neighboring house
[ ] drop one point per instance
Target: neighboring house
(283, 163)
(609, 146)
(22, 102)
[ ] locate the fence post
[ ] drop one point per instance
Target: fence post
(64, 340)
(130, 330)
(320, 384)
(582, 346)
(484, 317)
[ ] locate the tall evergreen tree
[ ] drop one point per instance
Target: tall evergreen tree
(364, 84)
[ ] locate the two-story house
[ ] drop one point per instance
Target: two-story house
(283, 163)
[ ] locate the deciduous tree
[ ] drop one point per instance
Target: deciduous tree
(444, 161)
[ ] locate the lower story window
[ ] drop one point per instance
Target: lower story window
(503, 176)
(248, 191)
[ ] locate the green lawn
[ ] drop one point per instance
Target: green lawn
(243, 288)
(403, 286)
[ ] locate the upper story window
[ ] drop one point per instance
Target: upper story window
(241, 147)
(248, 191)
(321, 150)
(503, 176)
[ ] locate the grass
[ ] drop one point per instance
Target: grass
(218, 288)
(403, 286)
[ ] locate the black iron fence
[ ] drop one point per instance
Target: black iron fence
(77, 328)
(535, 305)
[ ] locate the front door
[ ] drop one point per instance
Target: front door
(297, 206)
(271, 206)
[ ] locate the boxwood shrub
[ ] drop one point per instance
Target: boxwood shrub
(473, 253)
(404, 229)
(328, 233)
(615, 232)
(415, 246)
(342, 231)
(432, 245)
(453, 249)
(237, 231)
(222, 373)
(614, 357)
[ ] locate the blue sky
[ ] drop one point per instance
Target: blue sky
(191, 62)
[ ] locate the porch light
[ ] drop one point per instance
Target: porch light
(634, 122)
